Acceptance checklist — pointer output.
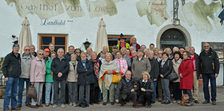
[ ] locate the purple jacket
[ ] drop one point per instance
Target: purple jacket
(37, 71)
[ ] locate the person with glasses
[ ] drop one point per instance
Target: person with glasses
(186, 70)
(85, 75)
(32, 50)
(11, 69)
(37, 77)
(78, 53)
(49, 82)
(26, 59)
(209, 70)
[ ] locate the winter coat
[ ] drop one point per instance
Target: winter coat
(127, 46)
(166, 69)
(48, 76)
(25, 66)
(85, 74)
(176, 65)
(11, 66)
(37, 71)
(148, 86)
(72, 72)
(208, 62)
(186, 69)
(60, 66)
(124, 88)
(154, 73)
(139, 66)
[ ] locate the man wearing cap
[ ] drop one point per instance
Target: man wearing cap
(12, 70)
(122, 43)
(46, 54)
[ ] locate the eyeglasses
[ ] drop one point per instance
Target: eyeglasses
(27, 49)
(41, 54)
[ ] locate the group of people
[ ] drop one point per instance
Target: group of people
(129, 73)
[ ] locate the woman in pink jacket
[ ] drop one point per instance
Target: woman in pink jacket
(37, 77)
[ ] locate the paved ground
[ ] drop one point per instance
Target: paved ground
(128, 107)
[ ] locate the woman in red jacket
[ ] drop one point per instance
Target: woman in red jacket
(186, 70)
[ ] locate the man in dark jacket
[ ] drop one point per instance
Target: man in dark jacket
(126, 90)
(12, 70)
(209, 70)
(60, 68)
(154, 73)
(71, 50)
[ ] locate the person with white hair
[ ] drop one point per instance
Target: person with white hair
(60, 69)
(175, 49)
(195, 59)
(154, 73)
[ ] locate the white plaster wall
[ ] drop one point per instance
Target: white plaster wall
(126, 21)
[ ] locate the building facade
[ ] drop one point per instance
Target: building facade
(166, 23)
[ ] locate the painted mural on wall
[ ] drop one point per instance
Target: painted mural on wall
(202, 15)
(45, 9)
(155, 10)
(221, 15)
(196, 13)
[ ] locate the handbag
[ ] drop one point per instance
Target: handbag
(32, 93)
(116, 78)
(173, 76)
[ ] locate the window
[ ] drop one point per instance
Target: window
(59, 40)
(113, 40)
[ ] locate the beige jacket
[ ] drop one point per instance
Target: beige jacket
(176, 65)
(72, 72)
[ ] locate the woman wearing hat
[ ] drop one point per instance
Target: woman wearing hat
(122, 43)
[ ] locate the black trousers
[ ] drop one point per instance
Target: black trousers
(177, 93)
(128, 96)
(145, 98)
(94, 93)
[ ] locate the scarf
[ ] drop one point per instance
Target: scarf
(84, 63)
(107, 78)
(96, 66)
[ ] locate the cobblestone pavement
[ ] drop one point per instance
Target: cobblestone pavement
(155, 107)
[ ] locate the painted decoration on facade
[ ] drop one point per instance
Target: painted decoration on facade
(46, 9)
(155, 10)
(221, 15)
(203, 16)
(101, 7)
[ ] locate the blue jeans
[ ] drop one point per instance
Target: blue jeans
(206, 78)
(154, 97)
(188, 91)
(11, 92)
(49, 92)
(21, 87)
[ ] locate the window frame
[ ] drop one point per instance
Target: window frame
(53, 36)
